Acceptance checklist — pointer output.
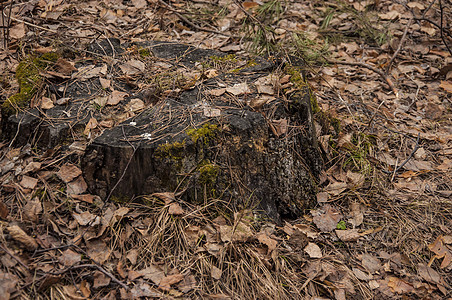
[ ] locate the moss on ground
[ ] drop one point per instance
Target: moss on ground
(29, 79)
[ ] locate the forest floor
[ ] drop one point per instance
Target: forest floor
(381, 72)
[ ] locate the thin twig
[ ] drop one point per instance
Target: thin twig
(372, 68)
(33, 25)
(416, 147)
(112, 277)
(6, 250)
(402, 40)
(191, 23)
(441, 28)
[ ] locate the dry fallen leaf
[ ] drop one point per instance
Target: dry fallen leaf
(441, 251)
(17, 31)
(133, 67)
(428, 273)
(399, 286)
(187, 284)
(97, 250)
(77, 186)
(92, 124)
(100, 279)
(371, 263)
(69, 258)
(69, 172)
(263, 238)
(32, 209)
(215, 273)
(8, 284)
(349, 235)
(175, 209)
(326, 218)
(28, 182)
(20, 236)
(116, 97)
(46, 103)
(313, 250)
(239, 89)
(216, 92)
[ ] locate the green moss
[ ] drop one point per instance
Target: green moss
(29, 79)
(174, 151)
(205, 133)
(119, 199)
(249, 63)
(208, 174)
(226, 58)
(301, 84)
(144, 52)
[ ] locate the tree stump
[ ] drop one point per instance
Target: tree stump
(243, 134)
(206, 144)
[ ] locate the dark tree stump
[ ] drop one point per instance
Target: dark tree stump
(203, 145)
(234, 156)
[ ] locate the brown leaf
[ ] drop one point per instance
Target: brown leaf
(68, 172)
(167, 281)
(92, 124)
(175, 209)
(8, 284)
(441, 251)
(322, 197)
(69, 258)
(446, 85)
(135, 105)
(105, 83)
(263, 238)
(215, 272)
(239, 89)
(216, 92)
(100, 279)
(349, 235)
(361, 275)
(187, 284)
(32, 209)
(399, 286)
(313, 250)
(153, 273)
(32, 167)
(97, 250)
(280, 126)
(46, 103)
(132, 256)
(167, 197)
(85, 198)
(116, 97)
(64, 67)
(77, 186)
(20, 236)
(132, 67)
(327, 218)
(143, 289)
(17, 31)
(371, 263)
(428, 273)
(4, 211)
(85, 218)
(28, 182)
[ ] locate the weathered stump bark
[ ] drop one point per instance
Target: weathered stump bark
(236, 156)
(205, 145)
